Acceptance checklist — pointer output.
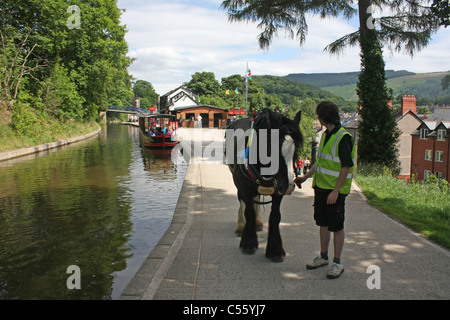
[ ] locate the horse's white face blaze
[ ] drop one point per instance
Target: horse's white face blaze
(287, 151)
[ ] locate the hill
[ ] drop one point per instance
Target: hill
(422, 85)
(322, 80)
(287, 90)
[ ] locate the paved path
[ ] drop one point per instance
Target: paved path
(198, 257)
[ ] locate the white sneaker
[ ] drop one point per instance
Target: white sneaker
(335, 271)
(317, 262)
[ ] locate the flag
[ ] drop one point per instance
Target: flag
(237, 92)
(249, 73)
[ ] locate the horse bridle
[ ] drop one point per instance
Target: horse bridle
(266, 186)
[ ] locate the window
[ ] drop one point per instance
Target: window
(428, 155)
(441, 134)
(423, 133)
(438, 175)
(439, 156)
(425, 174)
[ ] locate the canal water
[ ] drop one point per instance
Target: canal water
(100, 205)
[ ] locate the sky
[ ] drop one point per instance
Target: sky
(173, 39)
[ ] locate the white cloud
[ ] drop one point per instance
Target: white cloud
(174, 39)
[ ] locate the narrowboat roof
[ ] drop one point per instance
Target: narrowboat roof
(156, 115)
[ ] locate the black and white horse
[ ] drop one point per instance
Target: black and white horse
(261, 154)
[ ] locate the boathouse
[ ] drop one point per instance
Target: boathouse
(212, 117)
(182, 103)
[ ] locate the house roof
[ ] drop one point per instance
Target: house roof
(440, 114)
(409, 112)
(176, 89)
(194, 106)
(432, 126)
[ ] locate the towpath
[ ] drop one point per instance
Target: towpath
(198, 257)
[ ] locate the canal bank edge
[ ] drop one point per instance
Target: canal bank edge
(7, 155)
(148, 278)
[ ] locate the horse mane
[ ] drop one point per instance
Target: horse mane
(268, 119)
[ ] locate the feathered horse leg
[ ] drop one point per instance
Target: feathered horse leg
(274, 249)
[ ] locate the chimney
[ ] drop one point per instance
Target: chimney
(408, 103)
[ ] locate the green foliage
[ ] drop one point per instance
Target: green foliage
(441, 8)
(60, 96)
(287, 90)
(322, 80)
(378, 130)
(144, 90)
(203, 84)
(26, 120)
(92, 57)
(423, 110)
(289, 15)
(308, 109)
(425, 86)
(445, 82)
(440, 184)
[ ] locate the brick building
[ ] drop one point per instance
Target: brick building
(212, 117)
(431, 150)
(407, 123)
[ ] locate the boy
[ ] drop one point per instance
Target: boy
(332, 178)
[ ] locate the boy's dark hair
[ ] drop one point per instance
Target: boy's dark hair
(328, 112)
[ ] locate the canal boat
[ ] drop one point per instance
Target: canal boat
(158, 130)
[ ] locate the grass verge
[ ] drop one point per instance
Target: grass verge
(48, 130)
(425, 208)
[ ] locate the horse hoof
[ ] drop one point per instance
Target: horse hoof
(248, 251)
(276, 259)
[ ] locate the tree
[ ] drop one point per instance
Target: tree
(408, 27)
(144, 90)
(441, 8)
(92, 54)
(445, 82)
(60, 96)
(13, 65)
(378, 130)
(203, 83)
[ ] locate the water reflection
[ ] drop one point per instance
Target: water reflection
(96, 205)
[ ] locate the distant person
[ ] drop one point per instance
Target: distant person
(306, 166)
(153, 132)
(299, 166)
(180, 121)
(199, 121)
(332, 179)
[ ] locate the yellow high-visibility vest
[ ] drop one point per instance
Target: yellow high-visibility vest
(328, 164)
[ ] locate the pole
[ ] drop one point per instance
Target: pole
(246, 93)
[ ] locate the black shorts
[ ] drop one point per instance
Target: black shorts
(329, 215)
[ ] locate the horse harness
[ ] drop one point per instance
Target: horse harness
(266, 186)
